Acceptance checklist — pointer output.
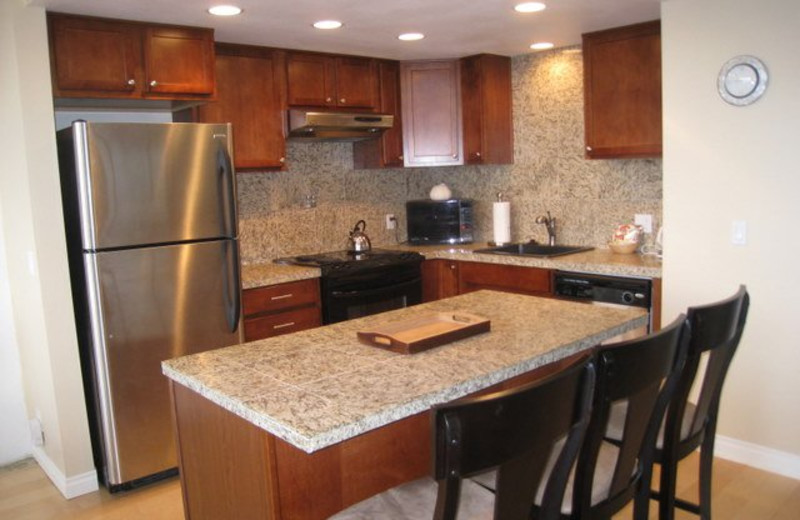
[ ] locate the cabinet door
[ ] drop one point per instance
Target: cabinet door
(249, 97)
(94, 55)
(356, 82)
(622, 91)
(311, 80)
(179, 61)
(386, 151)
(473, 276)
(486, 109)
(431, 113)
(439, 279)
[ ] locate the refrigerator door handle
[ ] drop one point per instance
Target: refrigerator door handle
(227, 182)
(232, 283)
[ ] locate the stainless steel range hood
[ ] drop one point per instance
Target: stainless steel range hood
(337, 126)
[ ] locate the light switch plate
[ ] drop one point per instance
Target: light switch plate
(739, 232)
(391, 221)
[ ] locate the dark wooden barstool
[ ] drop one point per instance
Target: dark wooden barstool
(716, 330)
(520, 432)
(642, 373)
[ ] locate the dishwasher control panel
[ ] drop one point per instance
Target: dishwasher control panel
(634, 292)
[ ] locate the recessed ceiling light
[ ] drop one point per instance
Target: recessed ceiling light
(541, 46)
(529, 7)
(225, 10)
(410, 37)
(328, 24)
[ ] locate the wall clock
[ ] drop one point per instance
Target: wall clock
(742, 80)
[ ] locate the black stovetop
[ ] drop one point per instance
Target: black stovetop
(338, 261)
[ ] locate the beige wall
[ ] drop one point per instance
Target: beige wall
(724, 163)
(33, 224)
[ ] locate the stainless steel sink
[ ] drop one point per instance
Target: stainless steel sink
(531, 249)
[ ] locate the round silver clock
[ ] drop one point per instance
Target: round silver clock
(742, 80)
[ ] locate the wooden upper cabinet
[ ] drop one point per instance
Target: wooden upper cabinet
(94, 55)
(486, 106)
(431, 113)
(100, 58)
(331, 81)
(622, 91)
(250, 94)
(387, 150)
(179, 61)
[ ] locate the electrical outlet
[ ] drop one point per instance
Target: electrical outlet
(391, 221)
(37, 432)
(645, 220)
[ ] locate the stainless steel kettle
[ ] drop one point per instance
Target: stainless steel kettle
(359, 241)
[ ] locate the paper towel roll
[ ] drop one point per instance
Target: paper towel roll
(501, 219)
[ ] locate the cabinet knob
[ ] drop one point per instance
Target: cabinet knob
(455, 156)
(328, 100)
(588, 148)
(282, 160)
(452, 266)
(343, 100)
(400, 157)
(153, 83)
(131, 82)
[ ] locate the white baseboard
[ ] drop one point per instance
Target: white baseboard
(761, 457)
(69, 487)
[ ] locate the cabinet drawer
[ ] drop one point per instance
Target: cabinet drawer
(281, 323)
(282, 296)
(525, 280)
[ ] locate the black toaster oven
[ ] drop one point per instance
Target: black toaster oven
(439, 221)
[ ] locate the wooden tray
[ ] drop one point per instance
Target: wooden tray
(425, 331)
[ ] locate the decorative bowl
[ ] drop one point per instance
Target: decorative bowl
(623, 248)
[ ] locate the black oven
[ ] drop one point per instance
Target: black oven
(354, 285)
(370, 291)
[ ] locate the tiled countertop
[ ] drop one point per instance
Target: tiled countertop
(321, 386)
(599, 261)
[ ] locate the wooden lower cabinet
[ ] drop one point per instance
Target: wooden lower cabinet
(280, 309)
(231, 468)
(474, 276)
(439, 279)
(445, 278)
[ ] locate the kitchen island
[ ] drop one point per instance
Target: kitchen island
(303, 425)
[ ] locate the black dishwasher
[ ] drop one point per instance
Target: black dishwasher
(604, 289)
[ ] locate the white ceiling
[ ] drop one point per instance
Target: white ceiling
(452, 28)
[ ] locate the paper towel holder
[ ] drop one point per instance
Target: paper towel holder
(506, 233)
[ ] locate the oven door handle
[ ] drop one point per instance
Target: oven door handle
(371, 292)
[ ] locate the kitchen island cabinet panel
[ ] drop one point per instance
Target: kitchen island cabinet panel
(103, 58)
(622, 91)
(432, 132)
(250, 92)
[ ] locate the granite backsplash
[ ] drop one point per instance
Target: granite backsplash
(588, 197)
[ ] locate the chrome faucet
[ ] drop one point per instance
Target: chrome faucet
(550, 223)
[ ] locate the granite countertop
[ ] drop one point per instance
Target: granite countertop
(318, 387)
(598, 261)
(260, 275)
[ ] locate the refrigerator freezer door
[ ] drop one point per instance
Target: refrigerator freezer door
(148, 305)
(143, 184)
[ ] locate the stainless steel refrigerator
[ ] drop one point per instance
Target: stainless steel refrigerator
(150, 213)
